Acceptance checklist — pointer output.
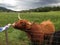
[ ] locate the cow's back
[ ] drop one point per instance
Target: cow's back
(47, 27)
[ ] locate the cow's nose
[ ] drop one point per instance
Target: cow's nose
(13, 24)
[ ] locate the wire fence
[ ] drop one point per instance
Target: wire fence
(53, 39)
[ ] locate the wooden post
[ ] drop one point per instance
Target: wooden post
(6, 36)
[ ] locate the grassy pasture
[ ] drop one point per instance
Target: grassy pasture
(17, 37)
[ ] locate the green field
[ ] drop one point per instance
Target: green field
(17, 37)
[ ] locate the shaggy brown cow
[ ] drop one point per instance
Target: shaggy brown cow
(35, 31)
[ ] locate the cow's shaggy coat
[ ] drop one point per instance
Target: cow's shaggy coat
(36, 32)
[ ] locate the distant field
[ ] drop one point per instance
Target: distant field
(17, 37)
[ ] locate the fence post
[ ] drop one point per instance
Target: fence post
(6, 36)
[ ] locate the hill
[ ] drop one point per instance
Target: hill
(3, 9)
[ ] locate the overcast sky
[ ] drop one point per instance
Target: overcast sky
(27, 4)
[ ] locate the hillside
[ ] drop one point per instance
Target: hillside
(3, 9)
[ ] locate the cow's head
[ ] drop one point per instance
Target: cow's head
(21, 24)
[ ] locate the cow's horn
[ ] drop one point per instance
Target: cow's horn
(19, 17)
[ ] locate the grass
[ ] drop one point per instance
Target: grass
(17, 37)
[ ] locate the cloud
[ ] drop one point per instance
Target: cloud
(27, 4)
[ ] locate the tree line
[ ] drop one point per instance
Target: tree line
(40, 9)
(43, 9)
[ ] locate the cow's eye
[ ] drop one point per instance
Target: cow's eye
(23, 24)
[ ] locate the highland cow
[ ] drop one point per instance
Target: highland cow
(36, 32)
